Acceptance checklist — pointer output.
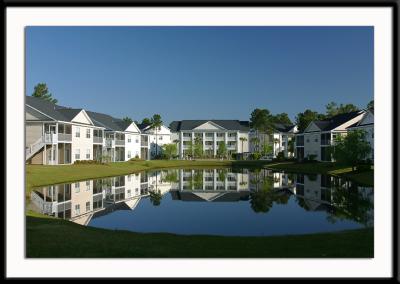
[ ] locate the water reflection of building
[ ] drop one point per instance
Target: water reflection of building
(83, 200)
(277, 180)
(211, 185)
(343, 199)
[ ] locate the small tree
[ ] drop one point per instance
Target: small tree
(169, 150)
(266, 149)
(221, 151)
(155, 197)
(242, 139)
(41, 91)
(351, 149)
(198, 147)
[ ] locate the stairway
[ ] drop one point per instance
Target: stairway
(34, 148)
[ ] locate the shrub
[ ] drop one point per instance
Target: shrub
(88, 162)
(363, 167)
(280, 156)
(255, 156)
(311, 157)
(135, 159)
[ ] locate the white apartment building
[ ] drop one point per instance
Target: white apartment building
(156, 138)
(367, 124)
(279, 139)
(319, 135)
(211, 133)
(57, 135)
(121, 141)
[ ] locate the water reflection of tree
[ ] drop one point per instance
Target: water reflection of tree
(155, 197)
(171, 176)
(263, 197)
(350, 204)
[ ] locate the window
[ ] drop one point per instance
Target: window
(77, 209)
(160, 138)
(77, 154)
(129, 177)
(129, 154)
(77, 132)
(88, 154)
(220, 135)
(129, 193)
(88, 185)
(137, 139)
(129, 139)
(77, 187)
(232, 135)
(88, 133)
(88, 206)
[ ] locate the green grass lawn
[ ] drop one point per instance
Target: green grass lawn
(50, 237)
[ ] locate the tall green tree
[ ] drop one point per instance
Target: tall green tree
(333, 109)
(146, 121)
(267, 149)
(351, 149)
(282, 118)
(370, 105)
(261, 121)
(127, 119)
(303, 119)
(156, 123)
(41, 91)
(222, 150)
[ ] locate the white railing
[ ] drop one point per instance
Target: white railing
(110, 143)
(119, 142)
(45, 207)
(50, 138)
(32, 149)
(64, 137)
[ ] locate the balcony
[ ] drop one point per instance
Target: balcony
(110, 143)
(97, 140)
(65, 137)
(120, 143)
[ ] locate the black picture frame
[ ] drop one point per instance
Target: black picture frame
(251, 3)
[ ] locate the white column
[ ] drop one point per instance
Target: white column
(237, 143)
(215, 145)
(181, 145)
(204, 142)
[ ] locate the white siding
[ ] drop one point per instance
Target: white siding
(82, 143)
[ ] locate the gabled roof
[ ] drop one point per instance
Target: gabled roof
(142, 126)
(336, 121)
(47, 108)
(182, 125)
(69, 113)
(107, 121)
(360, 122)
(283, 127)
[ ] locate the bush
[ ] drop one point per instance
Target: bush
(281, 156)
(88, 162)
(255, 156)
(135, 159)
(363, 167)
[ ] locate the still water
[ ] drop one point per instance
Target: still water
(223, 201)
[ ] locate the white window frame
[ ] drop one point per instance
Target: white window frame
(77, 131)
(88, 154)
(77, 154)
(87, 132)
(129, 139)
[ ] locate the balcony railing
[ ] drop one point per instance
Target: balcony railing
(64, 137)
(50, 138)
(119, 142)
(97, 139)
(110, 143)
(325, 142)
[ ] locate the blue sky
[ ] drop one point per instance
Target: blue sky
(201, 72)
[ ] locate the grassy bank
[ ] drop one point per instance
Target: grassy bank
(39, 175)
(362, 177)
(49, 237)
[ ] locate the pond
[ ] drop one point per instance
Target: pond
(212, 201)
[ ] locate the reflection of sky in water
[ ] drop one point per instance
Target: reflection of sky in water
(253, 203)
(220, 218)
